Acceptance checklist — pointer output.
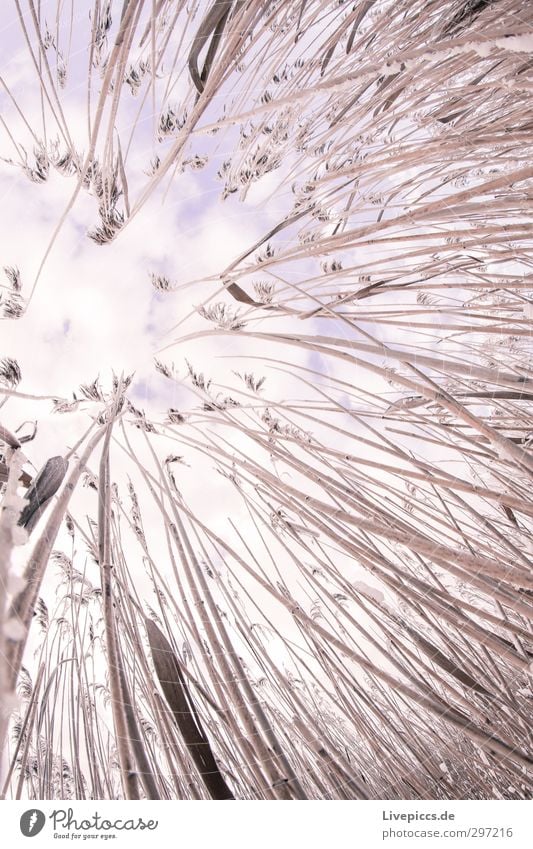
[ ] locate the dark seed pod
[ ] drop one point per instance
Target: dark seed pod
(43, 488)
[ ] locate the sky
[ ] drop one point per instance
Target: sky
(94, 309)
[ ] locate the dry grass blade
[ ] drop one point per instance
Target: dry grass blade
(177, 695)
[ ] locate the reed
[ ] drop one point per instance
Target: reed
(313, 580)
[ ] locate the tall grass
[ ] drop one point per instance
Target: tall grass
(359, 625)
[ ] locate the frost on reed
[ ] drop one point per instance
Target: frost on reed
(357, 623)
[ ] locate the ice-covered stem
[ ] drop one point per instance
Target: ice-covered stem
(10, 535)
(117, 680)
(8, 437)
(24, 603)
